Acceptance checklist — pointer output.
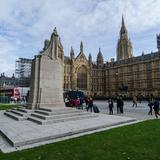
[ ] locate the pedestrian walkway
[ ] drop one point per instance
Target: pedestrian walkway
(140, 112)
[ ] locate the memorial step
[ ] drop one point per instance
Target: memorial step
(57, 111)
(14, 116)
(45, 109)
(25, 110)
(44, 112)
(40, 121)
(20, 113)
(47, 117)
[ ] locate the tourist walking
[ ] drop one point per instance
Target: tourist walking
(69, 102)
(76, 102)
(81, 100)
(72, 103)
(90, 104)
(86, 101)
(121, 104)
(66, 101)
(118, 105)
(134, 101)
(140, 98)
(150, 104)
(110, 105)
(156, 108)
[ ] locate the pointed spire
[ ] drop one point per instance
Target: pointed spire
(100, 56)
(90, 57)
(123, 31)
(72, 53)
(123, 21)
(72, 50)
(90, 60)
(81, 47)
(124, 46)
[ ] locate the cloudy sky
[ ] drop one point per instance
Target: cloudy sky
(24, 25)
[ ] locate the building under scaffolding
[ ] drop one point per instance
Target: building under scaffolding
(23, 68)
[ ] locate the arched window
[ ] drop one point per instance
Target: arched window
(82, 78)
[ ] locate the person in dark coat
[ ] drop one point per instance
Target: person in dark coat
(86, 101)
(110, 105)
(156, 108)
(118, 104)
(81, 100)
(121, 104)
(90, 104)
(150, 104)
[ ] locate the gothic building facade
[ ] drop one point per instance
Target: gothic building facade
(127, 75)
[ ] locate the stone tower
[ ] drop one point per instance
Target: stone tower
(124, 46)
(81, 47)
(100, 59)
(72, 57)
(47, 75)
(90, 60)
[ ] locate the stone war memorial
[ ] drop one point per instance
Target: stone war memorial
(45, 119)
(47, 75)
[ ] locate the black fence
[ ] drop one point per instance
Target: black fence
(4, 99)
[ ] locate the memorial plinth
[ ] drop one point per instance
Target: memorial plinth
(47, 76)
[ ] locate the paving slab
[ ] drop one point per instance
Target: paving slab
(21, 134)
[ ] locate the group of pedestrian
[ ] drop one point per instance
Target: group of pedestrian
(120, 104)
(78, 102)
(74, 102)
(19, 100)
(153, 105)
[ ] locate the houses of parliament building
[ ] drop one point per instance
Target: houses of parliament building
(127, 75)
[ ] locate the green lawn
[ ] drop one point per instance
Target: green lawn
(6, 106)
(138, 141)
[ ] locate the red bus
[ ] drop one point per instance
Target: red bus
(10, 92)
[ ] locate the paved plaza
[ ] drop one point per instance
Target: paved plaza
(140, 112)
(27, 134)
(22, 134)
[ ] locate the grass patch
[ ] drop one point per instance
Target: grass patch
(134, 142)
(6, 106)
